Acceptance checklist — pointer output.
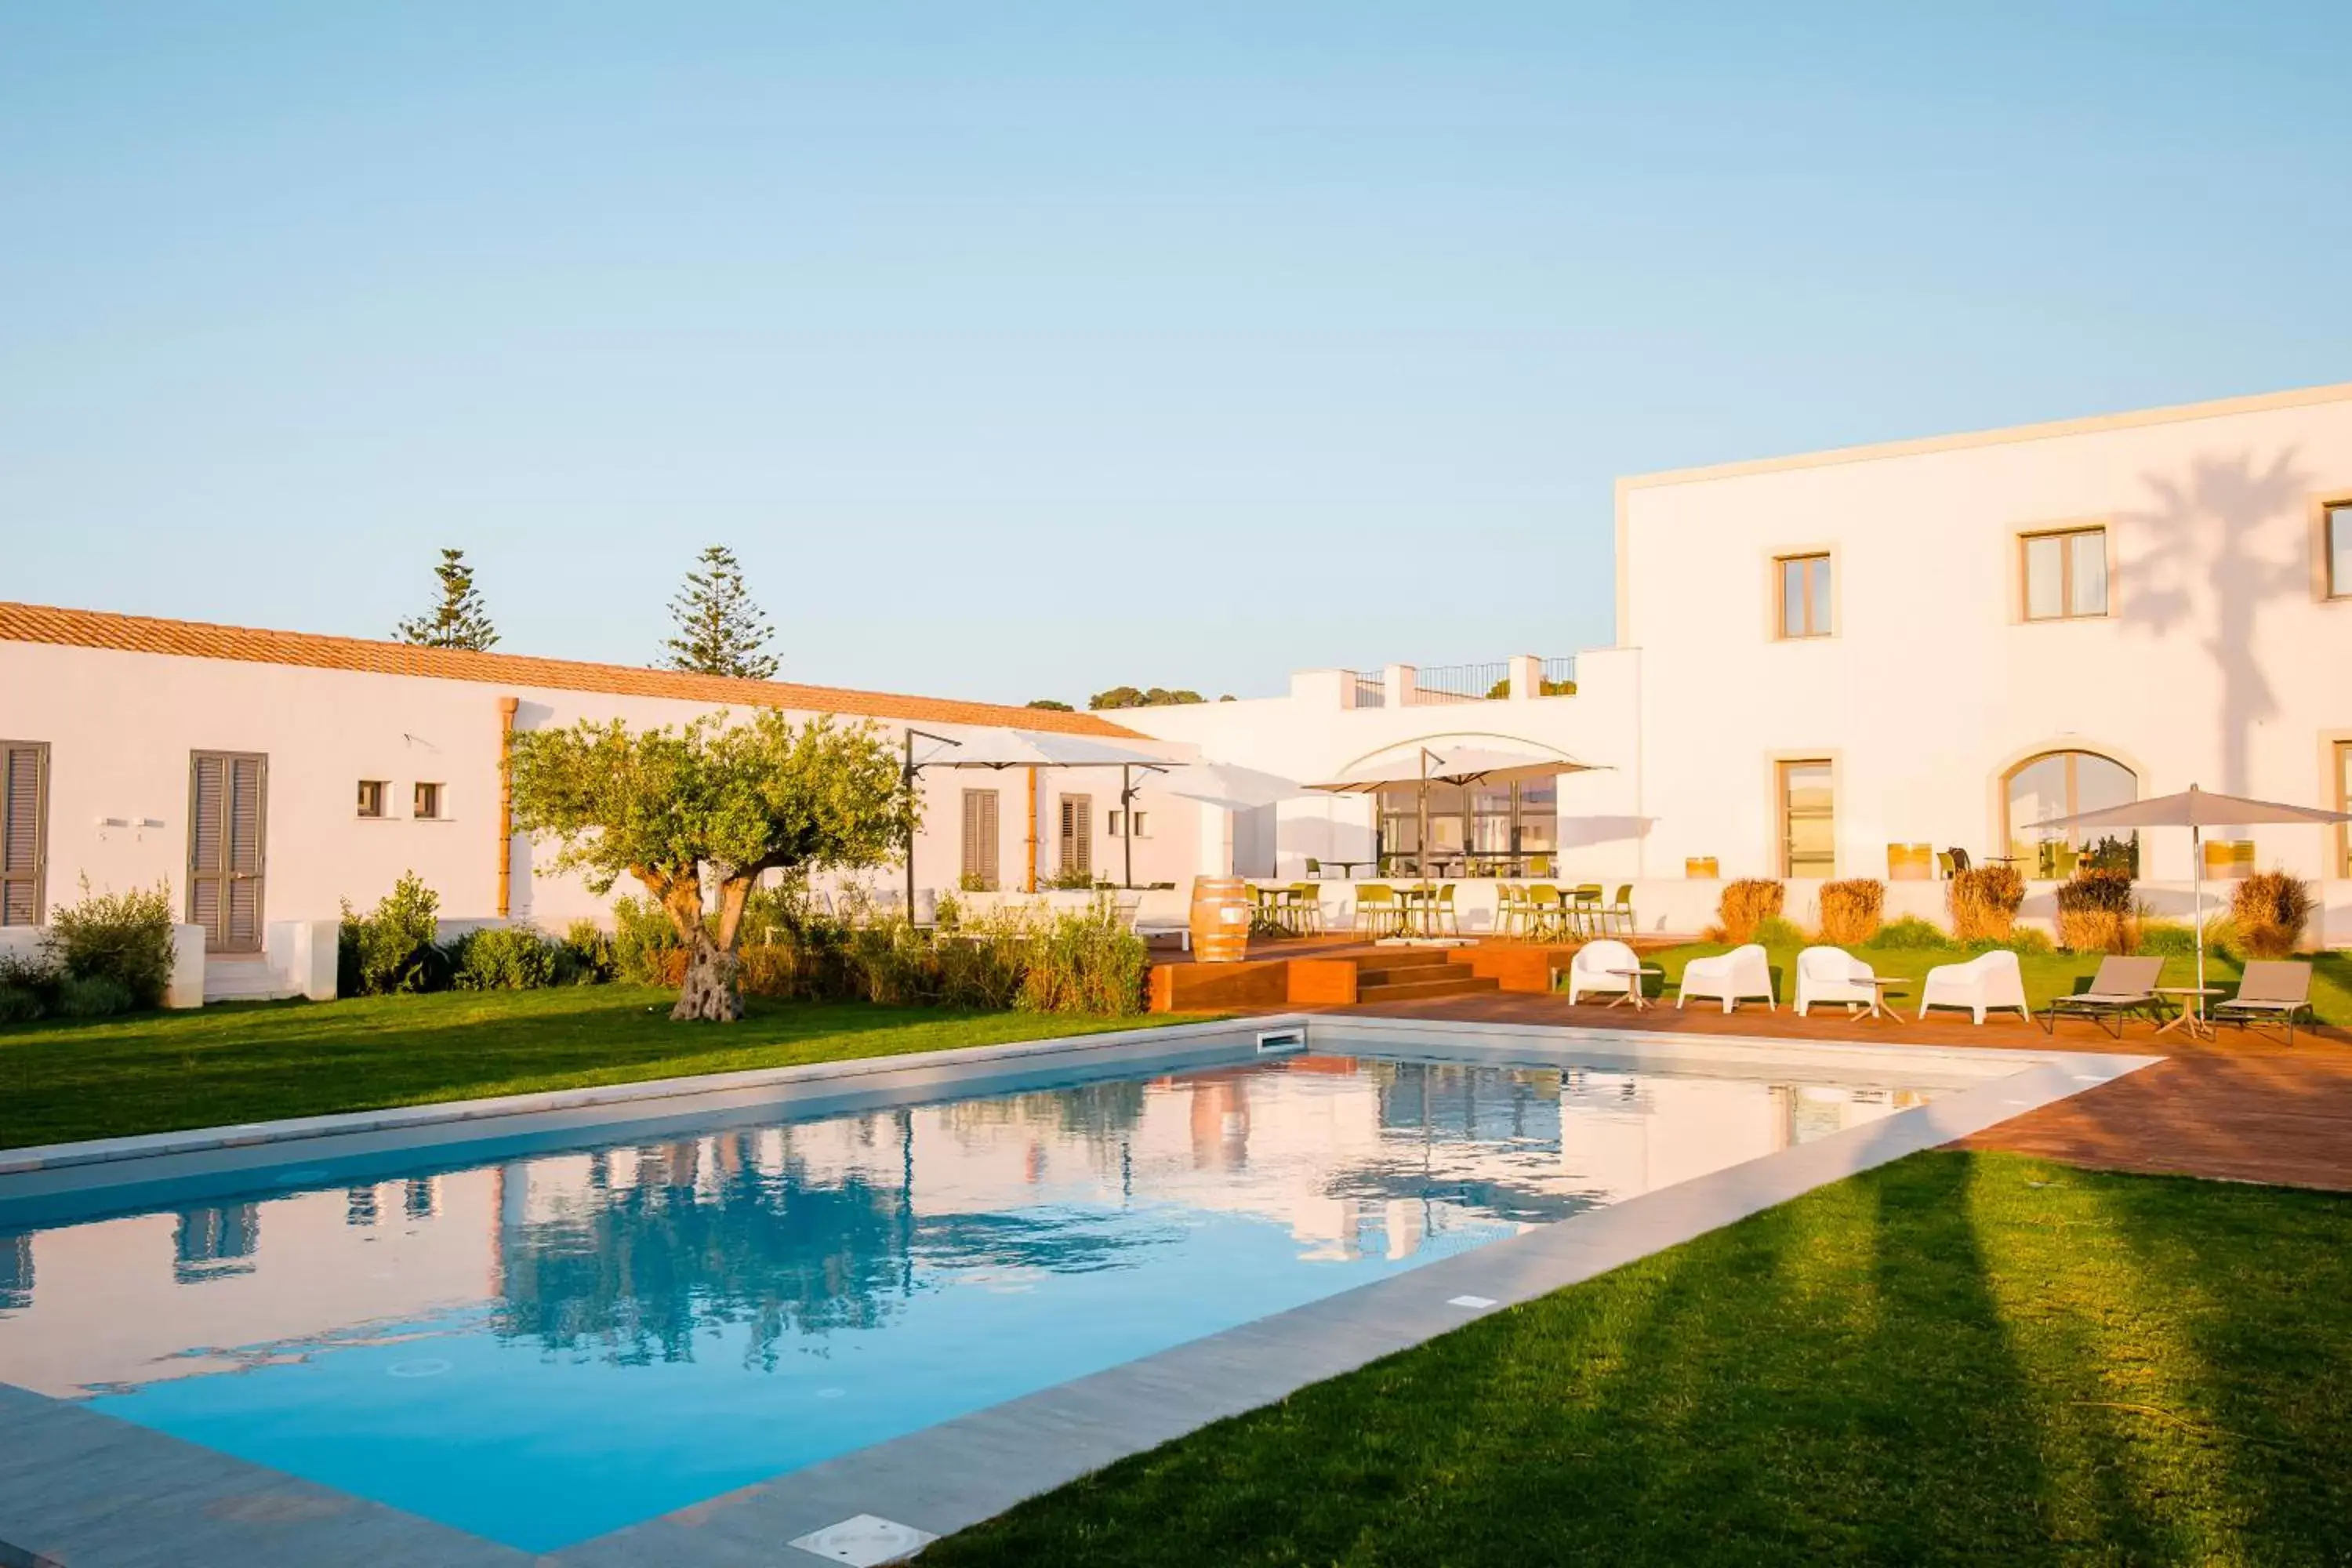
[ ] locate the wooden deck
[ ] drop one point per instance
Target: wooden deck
(2242, 1108)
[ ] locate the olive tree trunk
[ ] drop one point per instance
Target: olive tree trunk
(711, 994)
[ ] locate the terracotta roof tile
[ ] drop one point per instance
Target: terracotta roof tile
(196, 639)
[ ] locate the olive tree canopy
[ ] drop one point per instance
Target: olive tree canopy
(717, 799)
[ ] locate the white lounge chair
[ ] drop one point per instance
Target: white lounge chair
(1588, 971)
(1830, 976)
(1740, 975)
(1987, 981)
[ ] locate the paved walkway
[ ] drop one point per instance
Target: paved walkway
(2244, 1109)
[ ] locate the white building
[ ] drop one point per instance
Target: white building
(1820, 661)
(1927, 643)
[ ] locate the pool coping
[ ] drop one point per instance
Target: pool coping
(90, 1489)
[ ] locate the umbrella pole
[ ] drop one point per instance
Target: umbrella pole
(2197, 887)
(1127, 817)
(1420, 862)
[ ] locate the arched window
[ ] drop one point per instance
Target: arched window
(2064, 784)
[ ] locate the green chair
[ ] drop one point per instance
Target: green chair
(1305, 909)
(1442, 920)
(1314, 868)
(1376, 912)
(1265, 911)
(1510, 910)
(1543, 911)
(1621, 912)
(1539, 865)
(1584, 912)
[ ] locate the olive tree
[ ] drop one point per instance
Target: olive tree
(715, 800)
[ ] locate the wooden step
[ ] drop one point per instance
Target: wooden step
(1460, 982)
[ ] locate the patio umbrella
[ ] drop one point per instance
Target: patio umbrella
(1465, 764)
(1230, 788)
(2196, 810)
(1000, 749)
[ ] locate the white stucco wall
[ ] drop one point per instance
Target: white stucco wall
(121, 726)
(2219, 663)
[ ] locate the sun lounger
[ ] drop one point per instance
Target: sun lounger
(2276, 991)
(2123, 989)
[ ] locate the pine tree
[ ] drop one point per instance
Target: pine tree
(720, 630)
(460, 620)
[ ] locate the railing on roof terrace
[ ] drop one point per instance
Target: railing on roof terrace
(1558, 677)
(1462, 682)
(1368, 690)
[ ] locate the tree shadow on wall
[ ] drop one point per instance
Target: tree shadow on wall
(2203, 535)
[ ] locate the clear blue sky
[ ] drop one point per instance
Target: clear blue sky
(1024, 350)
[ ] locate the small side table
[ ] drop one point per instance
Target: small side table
(1636, 992)
(1880, 984)
(2191, 1020)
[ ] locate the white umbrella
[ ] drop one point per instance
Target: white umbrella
(1454, 765)
(1232, 788)
(1000, 748)
(2197, 810)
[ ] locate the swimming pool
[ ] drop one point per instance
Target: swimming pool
(553, 1343)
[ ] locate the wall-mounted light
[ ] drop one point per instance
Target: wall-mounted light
(114, 822)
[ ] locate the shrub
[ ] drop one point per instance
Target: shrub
(391, 950)
(1984, 901)
(1851, 910)
(503, 957)
(28, 986)
(1070, 879)
(585, 956)
(1087, 963)
(1911, 934)
(971, 882)
(1774, 932)
(93, 996)
(22, 1004)
(122, 938)
(646, 945)
(1747, 903)
(2094, 910)
(2268, 913)
(2018, 942)
(2164, 939)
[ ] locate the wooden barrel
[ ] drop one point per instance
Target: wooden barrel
(1221, 919)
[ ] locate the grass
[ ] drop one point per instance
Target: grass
(157, 1071)
(1955, 1358)
(2046, 974)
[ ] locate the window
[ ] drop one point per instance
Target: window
(979, 844)
(1120, 821)
(1486, 819)
(1808, 820)
(2062, 784)
(428, 802)
(1804, 595)
(372, 797)
(2344, 803)
(2335, 539)
(23, 830)
(2066, 575)
(1077, 832)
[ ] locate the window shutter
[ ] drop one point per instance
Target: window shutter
(980, 843)
(1077, 832)
(23, 789)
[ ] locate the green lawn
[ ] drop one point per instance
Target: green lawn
(1956, 1358)
(156, 1072)
(2046, 974)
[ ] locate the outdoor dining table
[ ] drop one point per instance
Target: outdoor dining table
(1418, 905)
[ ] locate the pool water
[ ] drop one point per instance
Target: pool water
(547, 1348)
